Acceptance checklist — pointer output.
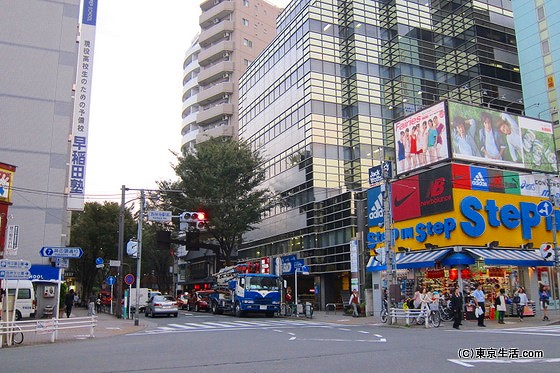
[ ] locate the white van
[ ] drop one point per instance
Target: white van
(26, 305)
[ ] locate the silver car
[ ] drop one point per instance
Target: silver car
(161, 305)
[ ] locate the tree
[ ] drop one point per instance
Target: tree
(222, 178)
(95, 230)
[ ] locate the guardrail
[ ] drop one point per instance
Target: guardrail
(44, 328)
(408, 314)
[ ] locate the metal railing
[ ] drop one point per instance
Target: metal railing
(44, 330)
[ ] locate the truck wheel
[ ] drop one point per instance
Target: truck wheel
(18, 315)
(238, 312)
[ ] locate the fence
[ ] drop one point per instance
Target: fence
(44, 330)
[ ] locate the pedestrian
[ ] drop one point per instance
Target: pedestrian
(98, 303)
(501, 305)
(91, 304)
(69, 302)
(523, 301)
(479, 298)
(416, 301)
(544, 297)
(457, 307)
(355, 303)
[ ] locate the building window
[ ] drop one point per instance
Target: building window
(540, 13)
(245, 22)
(246, 3)
(248, 43)
(545, 46)
(246, 62)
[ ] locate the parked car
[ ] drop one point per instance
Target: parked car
(162, 305)
(183, 301)
(199, 301)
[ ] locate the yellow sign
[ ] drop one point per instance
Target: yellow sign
(478, 219)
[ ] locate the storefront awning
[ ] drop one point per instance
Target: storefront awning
(414, 259)
(524, 258)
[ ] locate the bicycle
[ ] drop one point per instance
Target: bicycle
(16, 334)
(384, 311)
(432, 315)
(446, 313)
(288, 309)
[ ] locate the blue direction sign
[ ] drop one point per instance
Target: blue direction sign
(111, 280)
(62, 252)
(544, 208)
(14, 264)
(15, 274)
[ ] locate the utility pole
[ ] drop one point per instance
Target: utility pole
(120, 254)
(138, 260)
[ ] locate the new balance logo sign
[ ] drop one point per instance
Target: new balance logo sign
(479, 180)
(377, 208)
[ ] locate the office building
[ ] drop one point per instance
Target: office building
(40, 47)
(321, 100)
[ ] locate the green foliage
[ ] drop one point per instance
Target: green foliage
(222, 178)
(95, 230)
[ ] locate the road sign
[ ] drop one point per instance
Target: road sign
(62, 252)
(14, 264)
(129, 279)
(159, 216)
(62, 263)
(111, 280)
(377, 173)
(14, 274)
(99, 263)
(544, 208)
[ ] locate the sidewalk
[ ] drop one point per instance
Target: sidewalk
(510, 322)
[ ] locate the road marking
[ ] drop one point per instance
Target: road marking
(344, 329)
(339, 340)
(363, 331)
(182, 326)
(113, 328)
(551, 331)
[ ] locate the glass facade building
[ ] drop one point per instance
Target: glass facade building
(536, 24)
(321, 100)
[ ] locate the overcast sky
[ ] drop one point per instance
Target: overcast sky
(136, 104)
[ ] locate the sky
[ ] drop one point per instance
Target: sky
(135, 117)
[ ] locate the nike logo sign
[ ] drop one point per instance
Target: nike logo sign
(399, 202)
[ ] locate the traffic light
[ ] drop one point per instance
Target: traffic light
(190, 221)
(163, 239)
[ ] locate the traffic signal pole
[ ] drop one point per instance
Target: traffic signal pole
(120, 254)
(139, 256)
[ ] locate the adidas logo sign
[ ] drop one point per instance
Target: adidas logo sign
(377, 208)
(479, 180)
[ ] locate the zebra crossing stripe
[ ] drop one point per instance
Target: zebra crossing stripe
(219, 324)
(182, 326)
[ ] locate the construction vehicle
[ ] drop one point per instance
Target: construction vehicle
(239, 292)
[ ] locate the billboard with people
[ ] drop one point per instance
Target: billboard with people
(484, 135)
(421, 139)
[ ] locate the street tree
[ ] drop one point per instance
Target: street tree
(95, 230)
(223, 178)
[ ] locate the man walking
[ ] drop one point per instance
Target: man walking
(457, 307)
(69, 302)
(479, 298)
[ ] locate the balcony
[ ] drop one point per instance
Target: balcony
(214, 52)
(215, 33)
(215, 92)
(215, 72)
(217, 11)
(214, 113)
(225, 131)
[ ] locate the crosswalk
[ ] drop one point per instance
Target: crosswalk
(545, 330)
(179, 327)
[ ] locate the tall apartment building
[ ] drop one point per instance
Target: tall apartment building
(320, 102)
(537, 27)
(39, 45)
(232, 34)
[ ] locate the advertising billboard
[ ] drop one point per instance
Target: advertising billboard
(421, 139)
(424, 194)
(485, 135)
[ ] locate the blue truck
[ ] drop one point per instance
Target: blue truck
(241, 293)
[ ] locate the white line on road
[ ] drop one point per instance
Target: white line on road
(363, 332)
(470, 363)
(340, 340)
(457, 361)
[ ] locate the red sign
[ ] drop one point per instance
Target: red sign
(406, 199)
(435, 273)
(129, 279)
(461, 176)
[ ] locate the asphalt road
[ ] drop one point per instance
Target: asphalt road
(211, 343)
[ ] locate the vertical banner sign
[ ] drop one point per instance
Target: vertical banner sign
(354, 256)
(80, 120)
